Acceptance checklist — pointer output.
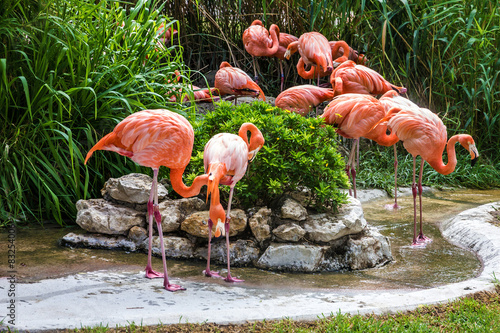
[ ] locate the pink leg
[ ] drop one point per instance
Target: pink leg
(395, 206)
(414, 192)
(207, 271)
(255, 76)
(168, 286)
(421, 238)
(282, 76)
(150, 273)
(229, 278)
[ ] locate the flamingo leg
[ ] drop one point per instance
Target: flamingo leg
(168, 286)
(414, 192)
(256, 77)
(395, 206)
(229, 278)
(421, 238)
(150, 273)
(282, 76)
(351, 166)
(207, 271)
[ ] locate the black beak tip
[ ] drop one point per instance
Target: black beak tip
(473, 161)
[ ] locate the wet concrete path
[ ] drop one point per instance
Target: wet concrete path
(81, 287)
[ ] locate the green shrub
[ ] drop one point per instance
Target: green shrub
(298, 152)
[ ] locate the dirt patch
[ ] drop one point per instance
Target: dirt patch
(496, 218)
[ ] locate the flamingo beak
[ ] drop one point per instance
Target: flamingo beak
(219, 228)
(253, 153)
(473, 153)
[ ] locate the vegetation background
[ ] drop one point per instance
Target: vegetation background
(70, 70)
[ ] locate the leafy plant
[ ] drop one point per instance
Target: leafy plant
(299, 152)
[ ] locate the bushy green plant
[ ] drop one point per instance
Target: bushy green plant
(69, 71)
(299, 152)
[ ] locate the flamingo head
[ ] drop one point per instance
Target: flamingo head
(468, 143)
(218, 217)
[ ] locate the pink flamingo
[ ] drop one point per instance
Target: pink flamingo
(230, 80)
(226, 157)
(301, 99)
(153, 138)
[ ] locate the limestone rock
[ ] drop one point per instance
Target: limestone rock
(291, 209)
(133, 188)
(173, 212)
(302, 195)
(101, 216)
(326, 227)
(98, 241)
(137, 234)
(260, 224)
(196, 223)
(296, 258)
(175, 247)
(241, 253)
(370, 250)
(289, 232)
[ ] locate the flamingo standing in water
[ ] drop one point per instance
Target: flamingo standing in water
(392, 99)
(230, 80)
(358, 79)
(153, 138)
(355, 116)
(423, 133)
(225, 158)
(314, 50)
(301, 99)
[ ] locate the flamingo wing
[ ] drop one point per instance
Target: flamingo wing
(301, 99)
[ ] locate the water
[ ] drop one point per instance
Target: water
(39, 256)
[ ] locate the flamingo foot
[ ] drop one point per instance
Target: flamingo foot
(423, 239)
(229, 278)
(392, 207)
(173, 287)
(209, 273)
(416, 243)
(151, 274)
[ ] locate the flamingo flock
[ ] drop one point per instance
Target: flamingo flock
(155, 138)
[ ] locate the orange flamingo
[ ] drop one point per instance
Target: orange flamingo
(423, 133)
(340, 55)
(165, 35)
(153, 138)
(260, 42)
(230, 80)
(355, 116)
(301, 99)
(314, 50)
(226, 157)
(200, 95)
(358, 79)
(392, 99)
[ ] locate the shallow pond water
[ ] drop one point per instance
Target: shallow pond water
(39, 256)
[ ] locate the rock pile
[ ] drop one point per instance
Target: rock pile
(284, 238)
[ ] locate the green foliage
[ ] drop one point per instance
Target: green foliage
(298, 152)
(69, 71)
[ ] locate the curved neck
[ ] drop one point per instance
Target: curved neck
(274, 31)
(379, 135)
(341, 44)
(438, 164)
(181, 188)
(256, 138)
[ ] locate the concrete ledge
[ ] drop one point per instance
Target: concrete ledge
(104, 298)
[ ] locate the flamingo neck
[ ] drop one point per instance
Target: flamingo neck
(379, 135)
(438, 163)
(183, 190)
(274, 31)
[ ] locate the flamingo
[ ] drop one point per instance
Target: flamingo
(355, 116)
(423, 133)
(230, 80)
(338, 52)
(314, 50)
(390, 100)
(153, 138)
(225, 158)
(164, 35)
(301, 99)
(200, 95)
(351, 78)
(260, 42)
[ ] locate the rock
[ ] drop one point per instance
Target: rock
(326, 227)
(260, 224)
(291, 209)
(196, 223)
(241, 253)
(291, 257)
(101, 216)
(370, 250)
(289, 232)
(98, 241)
(173, 212)
(175, 247)
(137, 234)
(303, 196)
(133, 188)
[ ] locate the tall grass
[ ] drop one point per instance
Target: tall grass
(70, 70)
